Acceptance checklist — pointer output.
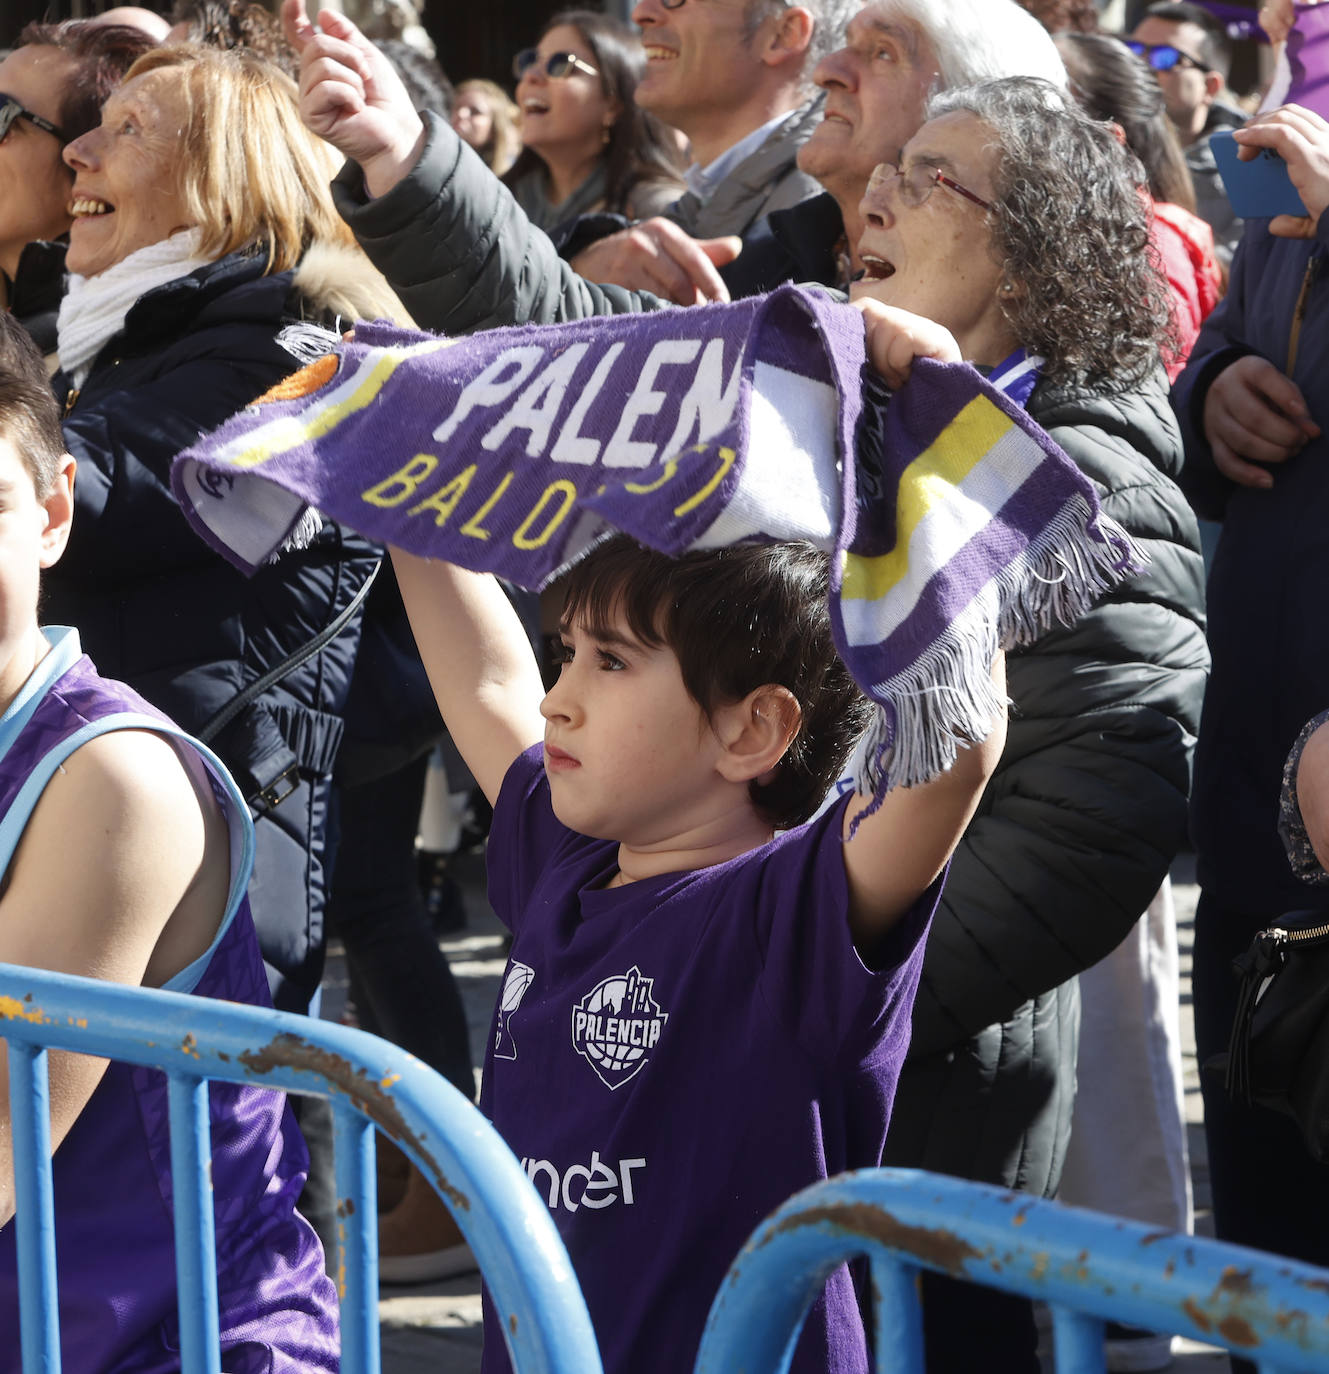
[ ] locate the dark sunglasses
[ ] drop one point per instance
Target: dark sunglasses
(557, 64)
(1162, 57)
(10, 110)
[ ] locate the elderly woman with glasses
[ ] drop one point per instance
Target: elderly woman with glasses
(1014, 235)
(52, 87)
(587, 145)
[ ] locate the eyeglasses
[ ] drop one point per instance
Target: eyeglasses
(10, 110)
(917, 183)
(557, 64)
(1162, 57)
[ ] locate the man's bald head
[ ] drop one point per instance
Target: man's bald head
(137, 18)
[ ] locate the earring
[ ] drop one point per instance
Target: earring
(1007, 288)
(604, 135)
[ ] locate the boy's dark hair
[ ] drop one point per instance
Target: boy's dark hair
(29, 416)
(737, 619)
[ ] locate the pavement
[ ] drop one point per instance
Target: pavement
(435, 1328)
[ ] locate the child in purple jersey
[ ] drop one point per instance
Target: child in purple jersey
(699, 1015)
(125, 851)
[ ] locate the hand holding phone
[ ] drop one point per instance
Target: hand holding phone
(1260, 188)
(1300, 137)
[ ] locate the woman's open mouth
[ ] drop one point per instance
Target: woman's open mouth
(88, 207)
(876, 269)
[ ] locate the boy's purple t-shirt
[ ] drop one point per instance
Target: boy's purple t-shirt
(673, 1059)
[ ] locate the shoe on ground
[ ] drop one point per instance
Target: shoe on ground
(1128, 1350)
(418, 1241)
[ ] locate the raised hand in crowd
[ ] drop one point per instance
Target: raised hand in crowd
(1276, 18)
(1301, 138)
(351, 96)
(896, 337)
(657, 256)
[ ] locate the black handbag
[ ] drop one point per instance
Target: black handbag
(1278, 1052)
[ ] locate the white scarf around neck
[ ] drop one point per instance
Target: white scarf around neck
(94, 308)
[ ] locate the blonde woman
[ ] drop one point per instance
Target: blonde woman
(205, 254)
(489, 121)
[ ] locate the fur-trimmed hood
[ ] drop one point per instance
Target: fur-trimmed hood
(339, 280)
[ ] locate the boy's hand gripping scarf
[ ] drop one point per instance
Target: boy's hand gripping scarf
(955, 524)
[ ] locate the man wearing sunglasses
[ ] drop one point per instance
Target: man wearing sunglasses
(51, 88)
(1188, 51)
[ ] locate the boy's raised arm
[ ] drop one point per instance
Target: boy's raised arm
(898, 851)
(479, 662)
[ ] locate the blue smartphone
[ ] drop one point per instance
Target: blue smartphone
(1258, 189)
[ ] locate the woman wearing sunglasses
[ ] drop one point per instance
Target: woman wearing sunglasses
(587, 145)
(52, 86)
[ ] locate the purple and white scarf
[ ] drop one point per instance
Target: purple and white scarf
(956, 525)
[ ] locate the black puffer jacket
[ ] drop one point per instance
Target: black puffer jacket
(159, 609)
(1076, 829)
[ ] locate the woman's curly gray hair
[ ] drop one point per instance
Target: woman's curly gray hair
(1071, 229)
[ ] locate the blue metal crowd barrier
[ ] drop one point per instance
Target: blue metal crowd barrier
(370, 1083)
(1088, 1267)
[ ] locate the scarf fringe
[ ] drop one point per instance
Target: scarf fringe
(307, 342)
(307, 528)
(947, 699)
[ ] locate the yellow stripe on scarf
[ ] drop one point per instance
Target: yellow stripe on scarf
(925, 484)
(290, 431)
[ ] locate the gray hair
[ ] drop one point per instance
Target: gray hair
(830, 21)
(982, 40)
(1071, 229)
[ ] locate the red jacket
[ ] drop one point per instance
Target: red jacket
(1185, 246)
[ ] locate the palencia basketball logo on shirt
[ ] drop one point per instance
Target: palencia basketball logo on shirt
(519, 977)
(617, 1025)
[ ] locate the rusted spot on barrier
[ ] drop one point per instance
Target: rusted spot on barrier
(14, 1010)
(367, 1094)
(934, 1246)
(1153, 1238)
(1239, 1331)
(1197, 1314)
(345, 1207)
(1169, 1269)
(189, 1045)
(1315, 1285)
(512, 1323)
(1235, 1283)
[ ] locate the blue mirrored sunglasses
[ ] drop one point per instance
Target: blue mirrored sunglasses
(1162, 57)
